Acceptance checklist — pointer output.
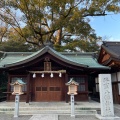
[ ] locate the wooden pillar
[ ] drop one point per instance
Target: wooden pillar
(86, 86)
(116, 99)
(66, 88)
(28, 88)
(8, 88)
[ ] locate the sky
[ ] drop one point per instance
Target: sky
(108, 27)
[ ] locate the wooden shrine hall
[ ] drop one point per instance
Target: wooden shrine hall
(46, 71)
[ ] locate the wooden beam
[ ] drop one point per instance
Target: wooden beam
(86, 86)
(8, 88)
(112, 63)
(66, 88)
(59, 71)
(106, 57)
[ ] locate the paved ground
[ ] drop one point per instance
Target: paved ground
(44, 117)
(80, 117)
(10, 117)
(60, 117)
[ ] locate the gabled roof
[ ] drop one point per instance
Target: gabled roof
(12, 57)
(72, 82)
(19, 82)
(112, 50)
(85, 60)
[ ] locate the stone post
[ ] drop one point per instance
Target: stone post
(72, 106)
(16, 112)
(106, 99)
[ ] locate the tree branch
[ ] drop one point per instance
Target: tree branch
(51, 31)
(98, 14)
(34, 43)
(72, 8)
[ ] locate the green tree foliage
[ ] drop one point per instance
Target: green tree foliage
(57, 21)
(15, 46)
(13, 42)
(88, 44)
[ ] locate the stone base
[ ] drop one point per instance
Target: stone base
(73, 116)
(107, 118)
(75, 103)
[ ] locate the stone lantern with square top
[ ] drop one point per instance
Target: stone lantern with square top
(17, 87)
(72, 90)
(17, 91)
(72, 87)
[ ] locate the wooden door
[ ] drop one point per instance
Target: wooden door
(41, 89)
(55, 88)
(50, 89)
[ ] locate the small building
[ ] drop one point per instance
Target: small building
(46, 71)
(110, 56)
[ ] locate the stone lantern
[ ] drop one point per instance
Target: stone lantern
(17, 87)
(72, 87)
(17, 91)
(72, 90)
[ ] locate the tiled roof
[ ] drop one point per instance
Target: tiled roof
(19, 81)
(85, 58)
(12, 57)
(113, 48)
(75, 58)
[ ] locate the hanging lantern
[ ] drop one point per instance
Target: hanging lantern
(60, 74)
(51, 75)
(42, 75)
(34, 75)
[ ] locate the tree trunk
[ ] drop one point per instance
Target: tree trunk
(58, 37)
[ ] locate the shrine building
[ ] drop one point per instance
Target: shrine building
(46, 72)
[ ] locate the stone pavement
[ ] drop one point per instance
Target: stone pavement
(78, 117)
(44, 117)
(11, 117)
(4, 116)
(47, 117)
(52, 117)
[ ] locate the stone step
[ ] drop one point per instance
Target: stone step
(60, 112)
(63, 107)
(47, 110)
(43, 108)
